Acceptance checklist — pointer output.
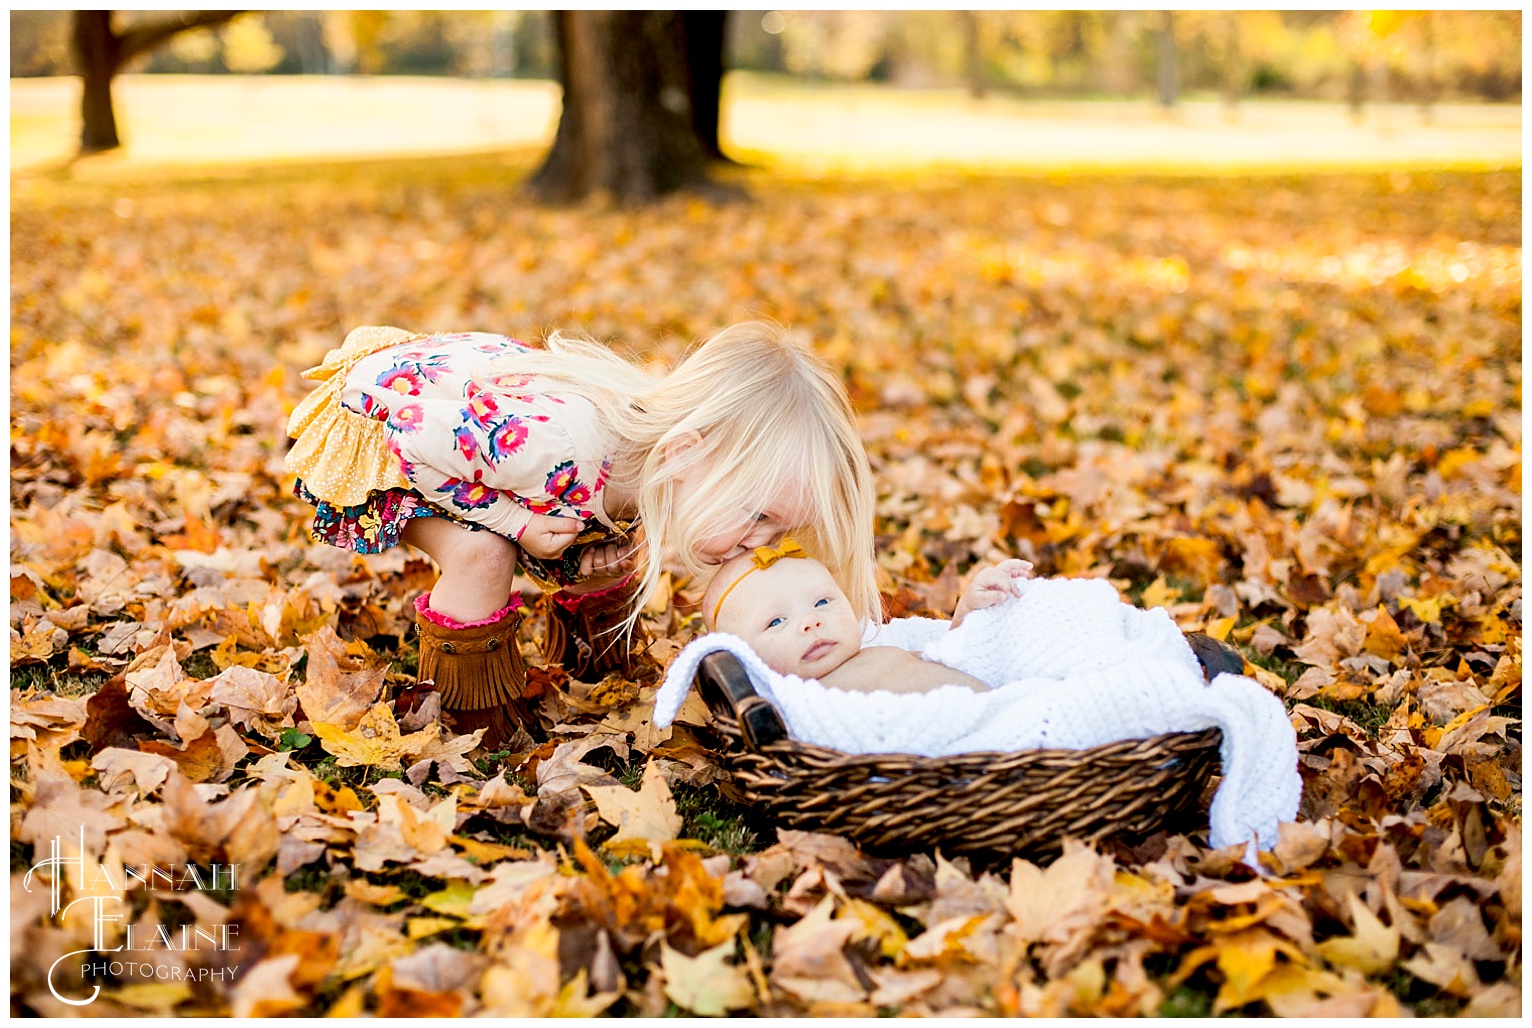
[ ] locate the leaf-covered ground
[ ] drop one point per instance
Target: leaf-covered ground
(1287, 409)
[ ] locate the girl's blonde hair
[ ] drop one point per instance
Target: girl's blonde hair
(757, 416)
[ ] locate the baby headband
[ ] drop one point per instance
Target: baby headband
(763, 558)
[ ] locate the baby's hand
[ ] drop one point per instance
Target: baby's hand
(546, 537)
(992, 586)
(609, 560)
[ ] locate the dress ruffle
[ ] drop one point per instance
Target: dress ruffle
(342, 456)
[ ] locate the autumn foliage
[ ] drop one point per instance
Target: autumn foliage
(1285, 408)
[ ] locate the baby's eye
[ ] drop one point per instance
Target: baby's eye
(774, 622)
(823, 601)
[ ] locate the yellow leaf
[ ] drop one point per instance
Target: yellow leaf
(420, 927)
(1429, 611)
(1159, 594)
(574, 999)
(1372, 948)
(877, 925)
(375, 742)
(155, 996)
(453, 900)
(707, 984)
(1244, 959)
(1383, 636)
(377, 895)
(649, 813)
(1452, 460)
(1220, 629)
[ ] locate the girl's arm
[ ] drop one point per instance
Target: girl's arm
(495, 457)
(496, 472)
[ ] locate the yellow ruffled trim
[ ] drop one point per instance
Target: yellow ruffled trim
(343, 456)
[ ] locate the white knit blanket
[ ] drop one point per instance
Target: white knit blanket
(1071, 666)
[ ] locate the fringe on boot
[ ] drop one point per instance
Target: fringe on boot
(478, 670)
(585, 631)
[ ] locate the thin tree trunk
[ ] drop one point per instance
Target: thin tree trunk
(973, 55)
(1168, 77)
(1233, 66)
(1428, 84)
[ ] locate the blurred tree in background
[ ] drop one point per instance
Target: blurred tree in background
(1414, 56)
(101, 48)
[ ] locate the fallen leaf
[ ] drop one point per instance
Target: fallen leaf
(648, 814)
(708, 984)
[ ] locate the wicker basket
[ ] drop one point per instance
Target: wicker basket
(987, 806)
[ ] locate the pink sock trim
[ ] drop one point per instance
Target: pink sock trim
(569, 602)
(441, 620)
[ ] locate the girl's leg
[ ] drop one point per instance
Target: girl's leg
(477, 568)
(467, 630)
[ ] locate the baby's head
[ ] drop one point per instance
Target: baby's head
(787, 607)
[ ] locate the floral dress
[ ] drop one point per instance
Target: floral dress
(477, 443)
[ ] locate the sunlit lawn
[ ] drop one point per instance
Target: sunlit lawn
(784, 124)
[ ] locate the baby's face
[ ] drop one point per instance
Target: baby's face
(794, 616)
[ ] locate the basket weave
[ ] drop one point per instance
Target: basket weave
(983, 805)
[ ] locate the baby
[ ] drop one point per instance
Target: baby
(785, 605)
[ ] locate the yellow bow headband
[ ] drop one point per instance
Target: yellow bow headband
(763, 558)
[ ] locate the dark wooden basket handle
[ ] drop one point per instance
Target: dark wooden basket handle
(726, 689)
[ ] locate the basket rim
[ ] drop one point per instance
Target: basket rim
(798, 752)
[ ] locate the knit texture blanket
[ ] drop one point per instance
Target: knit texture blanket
(1071, 666)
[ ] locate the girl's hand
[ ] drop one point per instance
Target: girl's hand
(609, 560)
(546, 537)
(992, 586)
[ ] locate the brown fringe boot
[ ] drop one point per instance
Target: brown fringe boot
(479, 672)
(585, 633)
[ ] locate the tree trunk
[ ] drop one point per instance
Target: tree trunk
(626, 129)
(1233, 78)
(704, 40)
(973, 55)
(99, 53)
(1168, 77)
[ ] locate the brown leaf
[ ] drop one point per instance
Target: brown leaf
(110, 719)
(339, 687)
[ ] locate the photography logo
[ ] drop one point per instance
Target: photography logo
(95, 886)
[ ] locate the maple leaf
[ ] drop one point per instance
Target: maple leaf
(1050, 903)
(648, 814)
(61, 809)
(339, 687)
(808, 959)
(1372, 947)
(255, 700)
(375, 740)
(147, 770)
(708, 984)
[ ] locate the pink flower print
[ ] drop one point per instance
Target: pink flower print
(564, 483)
(537, 507)
(407, 419)
(466, 495)
(467, 443)
(506, 438)
(402, 379)
(371, 408)
(481, 407)
(510, 383)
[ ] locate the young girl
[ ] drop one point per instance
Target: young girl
(489, 454)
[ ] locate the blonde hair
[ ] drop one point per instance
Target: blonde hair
(759, 416)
